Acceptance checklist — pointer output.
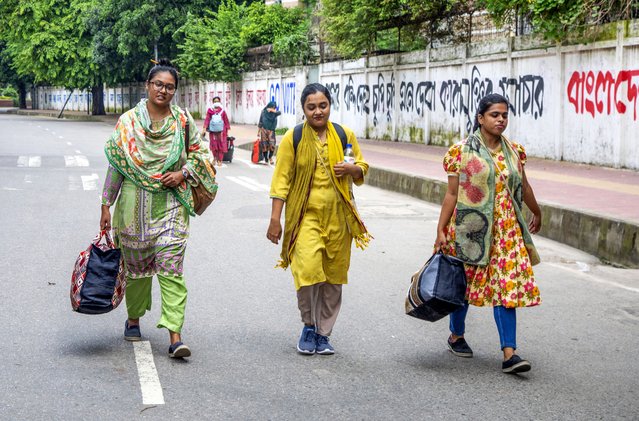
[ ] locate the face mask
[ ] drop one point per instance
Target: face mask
(217, 105)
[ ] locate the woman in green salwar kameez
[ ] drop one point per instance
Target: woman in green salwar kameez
(152, 173)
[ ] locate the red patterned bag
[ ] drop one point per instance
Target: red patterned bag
(98, 281)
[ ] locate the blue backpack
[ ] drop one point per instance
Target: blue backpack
(216, 124)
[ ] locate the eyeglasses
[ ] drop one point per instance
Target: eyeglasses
(170, 89)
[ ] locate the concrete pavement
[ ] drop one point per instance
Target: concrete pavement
(595, 209)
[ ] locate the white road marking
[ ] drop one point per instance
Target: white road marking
(249, 163)
(75, 182)
(28, 179)
(61, 137)
(10, 189)
(594, 278)
(90, 182)
(29, 161)
(78, 151)
(243, 183)
(148, 375)
(69, 144)
(260, 186)
(76, 161)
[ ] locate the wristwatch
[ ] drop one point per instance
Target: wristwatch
(185, 173)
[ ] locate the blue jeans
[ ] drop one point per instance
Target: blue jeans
(505, 319)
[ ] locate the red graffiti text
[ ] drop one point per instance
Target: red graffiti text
(603, 92)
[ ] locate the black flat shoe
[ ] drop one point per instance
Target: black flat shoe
(460, 348)
(515, 365)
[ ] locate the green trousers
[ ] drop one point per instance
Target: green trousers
(173, 292)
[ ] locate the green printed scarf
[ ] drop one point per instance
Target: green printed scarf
(476, 200)
(142, 154)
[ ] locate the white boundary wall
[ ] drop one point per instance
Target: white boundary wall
(575, 103)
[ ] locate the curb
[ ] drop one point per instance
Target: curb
(613, 241)
(54, 114)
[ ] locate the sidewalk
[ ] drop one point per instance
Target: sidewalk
(595, 209)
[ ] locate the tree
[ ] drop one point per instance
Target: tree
(287, 29)
(356, 27)
(561, 19)
(48, 41)
(9, 76)
(211, 46)
(214, 46)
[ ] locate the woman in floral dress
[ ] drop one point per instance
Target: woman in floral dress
(481, 222)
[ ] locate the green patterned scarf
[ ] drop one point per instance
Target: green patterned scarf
(476, 200)
(143, 154)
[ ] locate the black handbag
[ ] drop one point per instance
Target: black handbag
(437, 289)
(98, 282)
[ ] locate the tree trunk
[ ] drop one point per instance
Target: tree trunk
(97, 92)
(22, 95)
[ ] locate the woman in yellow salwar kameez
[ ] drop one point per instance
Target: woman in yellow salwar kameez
(321, 219)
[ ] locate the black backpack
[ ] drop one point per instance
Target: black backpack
(297, 135)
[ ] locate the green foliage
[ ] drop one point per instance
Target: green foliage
(560, 19)
(214, 46)
(46, 39)
(9, 92)
(211, 46)
(354, 27)
(126, 33)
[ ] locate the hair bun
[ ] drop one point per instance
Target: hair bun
(165, 62)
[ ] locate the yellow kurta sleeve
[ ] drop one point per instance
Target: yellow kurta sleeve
(284, 168)
(359, 158)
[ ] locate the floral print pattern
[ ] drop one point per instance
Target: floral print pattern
(508, 279)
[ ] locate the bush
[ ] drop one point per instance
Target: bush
(9, 92)
(281, 131)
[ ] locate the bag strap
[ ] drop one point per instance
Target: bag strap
(297, 135)
(104, 234)
(186, 137)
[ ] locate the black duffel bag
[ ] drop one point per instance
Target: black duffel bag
(437, 289)
(98, 282)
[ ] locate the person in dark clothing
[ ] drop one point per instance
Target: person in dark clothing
(267, 125)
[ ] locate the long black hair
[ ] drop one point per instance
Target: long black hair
(485, 103)
(313, 88)
(163, 65)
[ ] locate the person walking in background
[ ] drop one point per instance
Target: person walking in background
(482, 223)
(216, 123)
(150, 174)
(321, 219)
(267, 126)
